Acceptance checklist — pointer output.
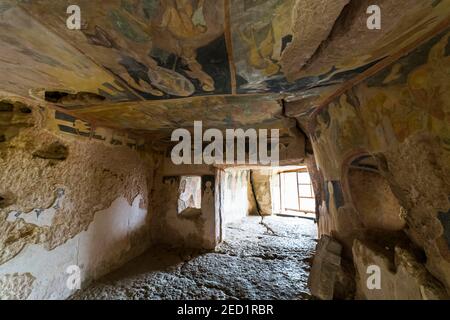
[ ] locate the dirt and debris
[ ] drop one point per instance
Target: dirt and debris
(250, 264)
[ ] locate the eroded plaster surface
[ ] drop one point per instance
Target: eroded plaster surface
(108, 242)
(186, 230)
(392, 129)
(16, 286)
(88, 208)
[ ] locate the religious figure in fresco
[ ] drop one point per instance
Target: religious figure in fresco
(261, 30)
(186, 22)
(137, 28)
(207, 203)
(179, 27)
(259, 55)
(161, 80)
(99, 37)
(181, 20)
(429, 85)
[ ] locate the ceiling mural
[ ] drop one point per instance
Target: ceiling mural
(33, 58)
(214, 112)
(260, 30)
(158, 64)
(352, 44)
(160, 49)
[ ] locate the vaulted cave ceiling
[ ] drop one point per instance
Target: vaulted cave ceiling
(151, 66)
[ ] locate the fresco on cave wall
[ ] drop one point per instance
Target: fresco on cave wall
(260, 31)
(404, 22)
(410, 96)
(132, 50)
(32, 59)
(215, 112)
(208, 183)
(160, 49)
(69, 125)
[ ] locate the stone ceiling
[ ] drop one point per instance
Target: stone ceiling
(151, 66)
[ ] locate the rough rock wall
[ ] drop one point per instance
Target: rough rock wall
(383, 152)
(261, 185)
(13, 117)
(316, 180)
(65, 201)
(347, 44)
(191, 229)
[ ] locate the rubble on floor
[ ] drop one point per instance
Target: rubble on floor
(252, 263)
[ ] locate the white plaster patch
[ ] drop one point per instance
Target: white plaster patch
(39, 217)
(95, 251)
(234, 196)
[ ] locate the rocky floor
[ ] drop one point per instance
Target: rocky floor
(256, 261)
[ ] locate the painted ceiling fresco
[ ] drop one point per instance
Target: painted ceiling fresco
(214, 112)
(159, 49)
(153, 62)
(32, 59)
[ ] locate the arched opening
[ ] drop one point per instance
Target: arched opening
(372, 196)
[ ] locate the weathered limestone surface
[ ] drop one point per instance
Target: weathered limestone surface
(379, 135)
(170, 228)
(422, 181)
(67, 201)
(403, 278)
(382, 150)
(326, 266)
(116, 235)
(377, 206)
(16, 286)
(261, 186)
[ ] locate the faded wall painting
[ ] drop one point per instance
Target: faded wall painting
(260, 31)
(69, 125)
(351, 44)
(409, 97)
(289, 45)
(32, 59)
(215, 112)
(384, 147)
(159, 49)
(134, 50)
